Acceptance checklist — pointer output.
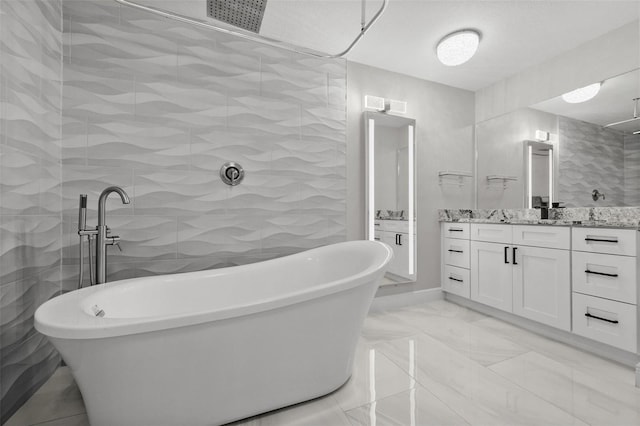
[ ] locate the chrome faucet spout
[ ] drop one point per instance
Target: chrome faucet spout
(102, 239)
(102, 201)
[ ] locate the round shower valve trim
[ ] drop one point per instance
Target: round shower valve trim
(231, 173)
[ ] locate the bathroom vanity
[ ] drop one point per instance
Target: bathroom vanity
(396, 234)
(571, 280)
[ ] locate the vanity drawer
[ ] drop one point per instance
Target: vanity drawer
(456, 252)
(456, 281)
(455, 230)
(401, 226)
(557, 237)
(616, 325)
(605, 275)
(602, 240)
(491, 233)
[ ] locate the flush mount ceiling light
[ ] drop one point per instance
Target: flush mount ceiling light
(582, 94)
(458, 47)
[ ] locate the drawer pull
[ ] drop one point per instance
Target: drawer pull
(602, 240)
(601, 319)
(455, 230)
(600, 273)
(455, 251)
(456, 279)
(376, 238)
(376, 224)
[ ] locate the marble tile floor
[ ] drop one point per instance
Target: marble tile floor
(432, 364)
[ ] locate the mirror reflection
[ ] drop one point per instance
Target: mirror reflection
(391, 190)
(539, 163)
(595, 146)
(599, 145)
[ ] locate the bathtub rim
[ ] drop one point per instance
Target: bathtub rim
(64, 317)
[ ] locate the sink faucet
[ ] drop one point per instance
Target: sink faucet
(103, 238)
(596, 195)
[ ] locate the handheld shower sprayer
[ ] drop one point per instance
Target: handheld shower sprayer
(82, 233)
(100, 233)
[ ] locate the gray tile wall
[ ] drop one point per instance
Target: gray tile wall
(30, 198)
(632, 170)
(157, 107)
(590, 158)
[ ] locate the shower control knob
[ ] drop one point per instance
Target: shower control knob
(231, 173)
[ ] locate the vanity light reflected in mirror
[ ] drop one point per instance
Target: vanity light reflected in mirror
(390, 172)
(539, 166)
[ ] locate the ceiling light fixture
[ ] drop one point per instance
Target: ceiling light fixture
(582, 94)
(458, 47)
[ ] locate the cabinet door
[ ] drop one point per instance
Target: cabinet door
(390, 239)
(490, 275)
(401, 251)
(542, 285)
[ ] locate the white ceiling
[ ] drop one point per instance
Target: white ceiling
(516, 34)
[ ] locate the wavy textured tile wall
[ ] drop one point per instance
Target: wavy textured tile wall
(157, 107)
(590, 158)
(632, 170)
(30, 198)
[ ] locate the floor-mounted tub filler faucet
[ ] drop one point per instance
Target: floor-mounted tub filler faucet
(97, 272)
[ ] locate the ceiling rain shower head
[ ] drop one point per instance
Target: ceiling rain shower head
(245, 14)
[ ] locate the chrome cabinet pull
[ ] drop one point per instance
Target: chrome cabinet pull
(601, 319)
(600, 273)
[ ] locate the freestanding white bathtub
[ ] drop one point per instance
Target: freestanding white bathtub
(210, 347)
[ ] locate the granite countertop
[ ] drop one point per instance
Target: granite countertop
(553, 222)
(592, 217)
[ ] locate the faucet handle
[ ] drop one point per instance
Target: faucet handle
(114, 240)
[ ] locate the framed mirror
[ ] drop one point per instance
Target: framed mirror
(539, 166)
(390, 186)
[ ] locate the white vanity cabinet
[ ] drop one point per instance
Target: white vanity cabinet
(524, 270)
(578, 279)
(604, 274)
(395, 233)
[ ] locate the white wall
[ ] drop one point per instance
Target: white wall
(444, 140)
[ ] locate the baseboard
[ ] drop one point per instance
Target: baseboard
(402, 300)
(605, 351)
